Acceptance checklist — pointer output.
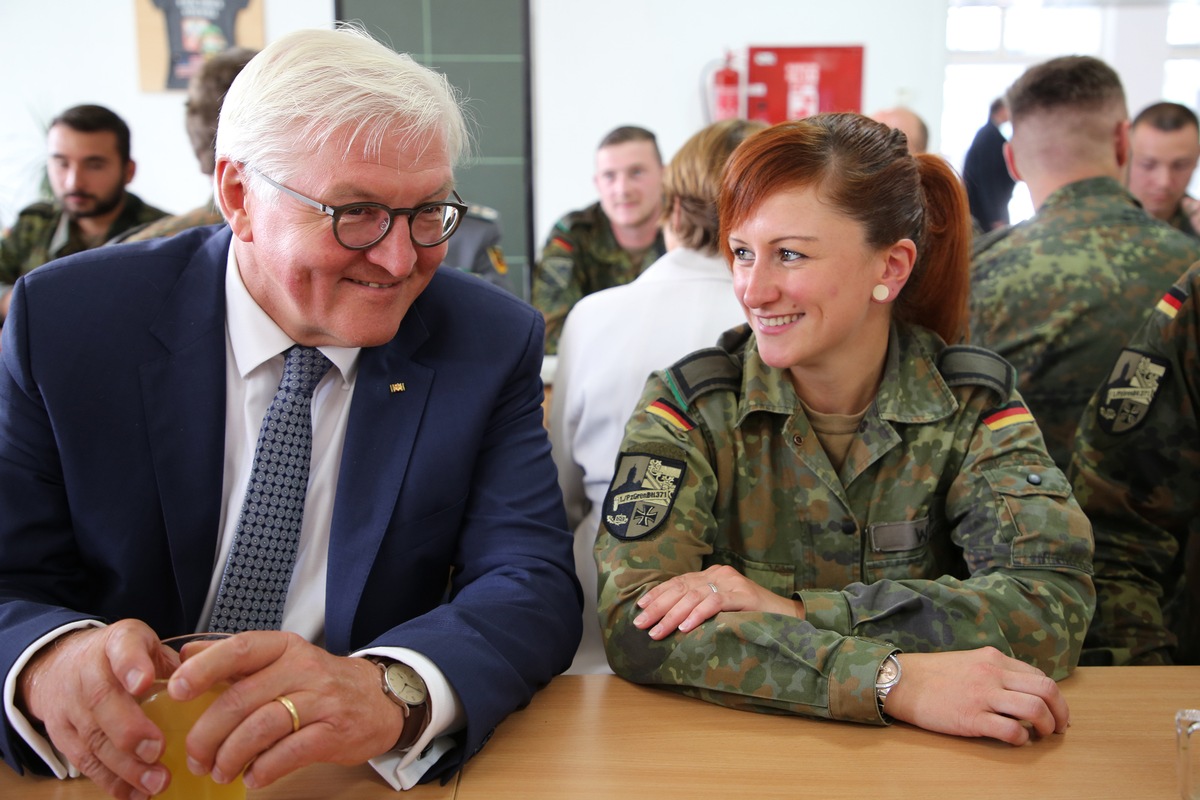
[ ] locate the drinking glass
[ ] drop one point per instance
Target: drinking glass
(1187, 722)
(175, 719)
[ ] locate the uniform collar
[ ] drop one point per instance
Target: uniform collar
(1078, 194)
(912, 389)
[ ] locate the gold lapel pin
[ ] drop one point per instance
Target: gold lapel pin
(395, 387)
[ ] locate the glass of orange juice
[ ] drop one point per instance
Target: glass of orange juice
(175, 719)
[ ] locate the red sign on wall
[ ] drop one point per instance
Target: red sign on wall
(794, 82)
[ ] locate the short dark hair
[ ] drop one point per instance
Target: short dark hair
(1079, 83)
(997, 106)
(206, 92)
(94, 119)
(630, 133)
(1167, 117)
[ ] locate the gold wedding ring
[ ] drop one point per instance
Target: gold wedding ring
(291, 709)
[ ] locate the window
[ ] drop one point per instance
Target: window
(990, 43)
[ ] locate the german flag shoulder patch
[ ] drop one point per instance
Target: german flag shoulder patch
(1171, 301)
(496, 256)
(1011, 414)
(673, 416)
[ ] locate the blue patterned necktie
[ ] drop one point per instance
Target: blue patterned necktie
(258, 571)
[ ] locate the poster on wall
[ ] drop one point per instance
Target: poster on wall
(793, 82)
(176, 36)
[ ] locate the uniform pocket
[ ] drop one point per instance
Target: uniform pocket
(898, 550)
(1033, 510)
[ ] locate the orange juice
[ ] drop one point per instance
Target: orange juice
(175, 720)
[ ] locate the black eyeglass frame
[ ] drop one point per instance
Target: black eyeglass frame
(335, 213)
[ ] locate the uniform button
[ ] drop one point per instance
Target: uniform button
(1034, 478)
(797, 440)
(849, 527)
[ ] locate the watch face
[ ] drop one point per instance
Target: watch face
(888, 672)
(404, 681)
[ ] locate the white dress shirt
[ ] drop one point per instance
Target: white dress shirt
(612, 340)
(253, 368)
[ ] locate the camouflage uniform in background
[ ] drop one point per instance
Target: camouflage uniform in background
(1136, 472)
(580, 257)
(43, 233)
(1182, 222)
(169, 226)
(948, 528)
(1060, 294)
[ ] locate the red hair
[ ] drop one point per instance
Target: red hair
(863, 169)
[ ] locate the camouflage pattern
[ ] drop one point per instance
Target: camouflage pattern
(998, 552)
(43, 233)
(580, 257)
(169, 226)
(1060, 294)
(1137, 477)
(1180, 221)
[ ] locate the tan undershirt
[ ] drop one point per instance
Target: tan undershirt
(835, 432)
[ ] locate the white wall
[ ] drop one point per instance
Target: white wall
(597, 65)
(59, 53)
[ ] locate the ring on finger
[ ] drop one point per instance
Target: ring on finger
(712, 586)
(291, 709)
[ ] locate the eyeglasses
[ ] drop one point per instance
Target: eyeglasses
(357, 226)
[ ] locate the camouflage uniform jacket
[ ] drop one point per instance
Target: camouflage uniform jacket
(1136, 472)
(43, 233)
(207, 214)
(1060, 294)
(1182, 222)
(948, 528)
(580, 257)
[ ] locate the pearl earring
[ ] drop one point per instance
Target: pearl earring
(881, 292)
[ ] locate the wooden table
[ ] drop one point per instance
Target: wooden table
(599, 737)
(595, 736)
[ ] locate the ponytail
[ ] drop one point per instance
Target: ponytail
(863, 169)
(936, 297)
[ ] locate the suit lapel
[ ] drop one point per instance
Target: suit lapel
(184, 397)
(390, 394)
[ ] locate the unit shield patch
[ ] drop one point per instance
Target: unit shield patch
(1130, 390)
(642, 493)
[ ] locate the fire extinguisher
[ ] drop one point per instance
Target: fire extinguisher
(726, 92)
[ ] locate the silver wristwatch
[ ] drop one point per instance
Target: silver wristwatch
(888, 677)
(401, 684)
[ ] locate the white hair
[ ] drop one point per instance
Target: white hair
(310, 85)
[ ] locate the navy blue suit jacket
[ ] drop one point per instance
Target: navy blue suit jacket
(112, 427)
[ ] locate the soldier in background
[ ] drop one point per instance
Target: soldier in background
(610, 242)
(475, 247)
(1165, 144)
(206, 92)
(614, 338)
(1059, 294)
(813, 529)
(89, 166)
(1136, 472)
